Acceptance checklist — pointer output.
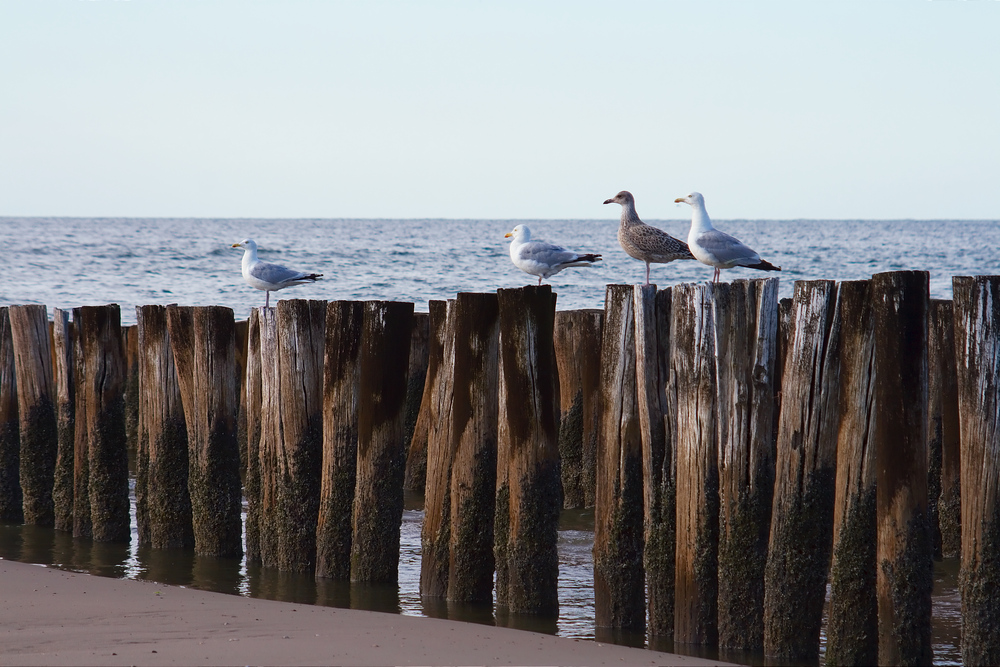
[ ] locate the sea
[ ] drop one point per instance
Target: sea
(70, 262)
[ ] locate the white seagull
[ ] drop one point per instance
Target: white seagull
(543, 259)
(269, 277)
(715, 248)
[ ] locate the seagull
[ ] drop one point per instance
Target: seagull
(644, 242)
(269, 277)
(715, 248)
(543, 259)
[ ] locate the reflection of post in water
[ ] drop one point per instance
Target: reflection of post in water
(269, 583)
(380, 596)
(167, 566)
(217, 573)
(545, 624)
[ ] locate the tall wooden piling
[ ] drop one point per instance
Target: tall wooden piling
(292, 431)
(905, 556)
(977, 352)
(252, 414)
(746, 328)
(36, 411)
(852, 626)
(104, 392)
(474, 431)
(130, 344)
(528, 484)
(942, 429)
(378, 496)
(416, 376)
(692, 371)
(802, 512)
(416, 460)
(659, 455)
(203, 343)
(81, 438)
(341, 384)
(619, 593)
(435, 533)
(11, 508)
(163, 502)
(577, 339)
(62, 357)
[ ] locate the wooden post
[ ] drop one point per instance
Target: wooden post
(104, 393)
(802, 513)
(242, 352)
(852, 626)
(162, 453)
(416, 376)
(435, 533)
(203, 342)
(692, 371)
(252, 413)
(11, 507)
(977, 353)
(416, 461)
(577, 339)
(659, 469)
(130, 344)
(529, 419)
(62, 355)
(36, 410)
(378, 496)
(904, 553)
(292, 430)
(746, 328)
(474, 432)
(619, 594)
(341, 383)
(81, 439)
(942, 429)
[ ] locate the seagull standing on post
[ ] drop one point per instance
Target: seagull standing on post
(269, 277)
(642, 241)
(715, 248)
(543, 259)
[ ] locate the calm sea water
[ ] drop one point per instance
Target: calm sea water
(69, 262)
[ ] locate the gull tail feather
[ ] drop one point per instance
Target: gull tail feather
(764, 265)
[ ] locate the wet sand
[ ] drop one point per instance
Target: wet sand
(54, 617)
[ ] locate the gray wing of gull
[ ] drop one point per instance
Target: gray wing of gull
(652, 244)
(726, 249)
(275, 274)
(546, 253)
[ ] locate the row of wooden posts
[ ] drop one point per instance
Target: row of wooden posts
(740, 453)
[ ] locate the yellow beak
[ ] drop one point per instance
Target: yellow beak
(679, 200)
(236, 245)
(508, 235)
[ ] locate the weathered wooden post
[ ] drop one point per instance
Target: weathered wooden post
(802, 512)
(341, 384)
(852, 626)
(619, 593)
(905, 554)
(130, 345)
(528, 485)
(36, 411)
(104, 392)
(474, 431)
(252, 415)
(11, 507)
(439, 452)
(942, 426)
(162, 453)
(577, 339)
(416, 460)
(292, 431)
(203, 342)
(746, 329)
(62, 356)
(416, 376)
(242, 351)
(378, 495)
(81, 438)
(692, 372)
(659, 462)
(977, 353)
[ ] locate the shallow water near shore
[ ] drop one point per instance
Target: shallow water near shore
(177, 567)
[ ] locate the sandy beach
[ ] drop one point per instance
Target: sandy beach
(54, 617)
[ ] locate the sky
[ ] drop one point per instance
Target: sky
(503, 110)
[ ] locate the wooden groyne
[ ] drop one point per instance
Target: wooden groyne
(739, 453)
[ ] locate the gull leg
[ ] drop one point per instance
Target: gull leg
(647, 273)
(267, 298)
(716, 278)
(539, 281)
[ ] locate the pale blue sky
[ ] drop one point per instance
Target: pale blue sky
(507, 109)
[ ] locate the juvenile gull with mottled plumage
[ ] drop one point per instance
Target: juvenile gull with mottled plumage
(543, 259)
(715, 248)
(269, 277)
(644, 242)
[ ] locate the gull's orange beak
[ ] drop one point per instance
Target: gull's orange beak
(680, 200)
(508, 235)
(235, 245)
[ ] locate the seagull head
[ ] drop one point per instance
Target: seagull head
(249, 244)
(694, 199)
(521, 233)
(624, 197)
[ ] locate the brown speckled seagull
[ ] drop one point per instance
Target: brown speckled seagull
(644, 242)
